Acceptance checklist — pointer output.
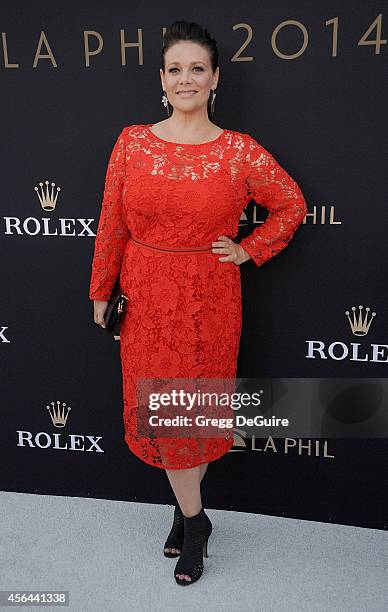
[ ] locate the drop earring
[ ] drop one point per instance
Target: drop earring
(165, 102)
(212, 102)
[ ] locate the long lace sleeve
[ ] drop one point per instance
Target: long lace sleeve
(112, 232)
(269, 185)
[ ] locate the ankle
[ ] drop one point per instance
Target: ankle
(192, 513)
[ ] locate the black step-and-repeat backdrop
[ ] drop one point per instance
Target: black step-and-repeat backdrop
(308, 83)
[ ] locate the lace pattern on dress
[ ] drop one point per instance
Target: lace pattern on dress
(183, 316)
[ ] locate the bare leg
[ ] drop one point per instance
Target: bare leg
(186, 487)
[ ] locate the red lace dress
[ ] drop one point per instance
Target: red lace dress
(183, 317)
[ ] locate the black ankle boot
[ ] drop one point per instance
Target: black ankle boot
(197, 531)
(175, 537)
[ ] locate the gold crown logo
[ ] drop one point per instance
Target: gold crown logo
(360, 326)
(47, 200)
(57, 413)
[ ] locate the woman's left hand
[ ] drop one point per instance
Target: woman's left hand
(234, 252)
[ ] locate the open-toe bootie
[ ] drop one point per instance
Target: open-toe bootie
(197, 531)
(175, 537)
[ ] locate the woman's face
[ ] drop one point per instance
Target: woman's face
(187, 68)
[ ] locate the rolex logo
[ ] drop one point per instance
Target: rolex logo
(46, 226)
(58, 414)
(63, 441)
(360, 321)
(360, 325)
(47, 198)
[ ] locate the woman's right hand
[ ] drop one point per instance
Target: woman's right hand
(100, 307)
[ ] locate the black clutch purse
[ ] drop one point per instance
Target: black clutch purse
(115, 308)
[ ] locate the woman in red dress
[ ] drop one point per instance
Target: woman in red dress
(173, 198)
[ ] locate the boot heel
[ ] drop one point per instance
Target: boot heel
(205, 554)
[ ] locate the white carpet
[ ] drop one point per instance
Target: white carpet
(108, 555)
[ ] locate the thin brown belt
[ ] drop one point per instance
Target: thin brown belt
(174, 249)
